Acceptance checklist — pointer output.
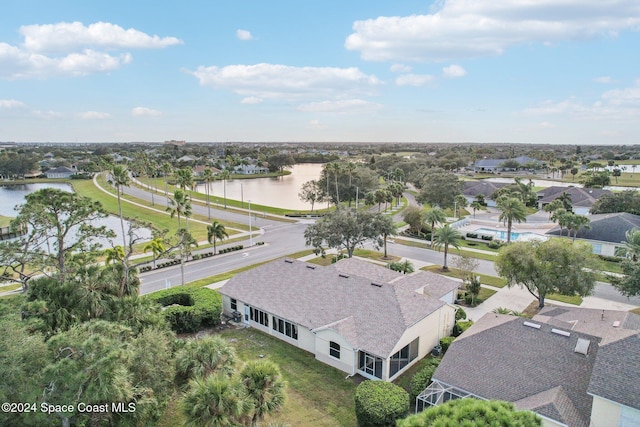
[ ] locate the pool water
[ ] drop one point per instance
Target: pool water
(502, 234)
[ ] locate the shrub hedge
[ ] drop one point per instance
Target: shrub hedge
(445, 343)
(380, 404)
(191, 308)
(461, 326)
(422, 378)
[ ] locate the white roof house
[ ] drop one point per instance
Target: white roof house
(353, 315)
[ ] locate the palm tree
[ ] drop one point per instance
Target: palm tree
(166, 169)
(208, 177)
(446, 236)
(380, 197)
(434, 216)
(156, 246)
(264, 386)
(215, 401)
(565, 199)
(513, 209)
(335, 167)
(185, 241)
(207, 356)
(216, 231)
(553, 206)
(386, 228)
(179, 206)
(576, 222)
(561, 216)
(476, 206)
(115, 254)
(632, 243)
(224, 175)
(120, 178)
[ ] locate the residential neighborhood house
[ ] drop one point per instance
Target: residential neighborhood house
(582, 199)
(574, 367)
(356, 316)
(606, 232)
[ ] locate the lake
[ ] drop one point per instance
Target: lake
(13, 195)
(280, 191)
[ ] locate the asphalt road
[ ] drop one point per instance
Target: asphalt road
(284, 238)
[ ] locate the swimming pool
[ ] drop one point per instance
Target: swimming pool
(502, 234)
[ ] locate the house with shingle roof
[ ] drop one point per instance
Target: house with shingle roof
(497, 165)
(356, 316)
(574, 367)
(471, 189)
(582, 199)
(606, 233)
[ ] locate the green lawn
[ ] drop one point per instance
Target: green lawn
(635, 310)
(572, 299)
(317, 394)
(496, 282)
(5, 221)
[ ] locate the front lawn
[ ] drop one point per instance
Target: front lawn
(496, 282)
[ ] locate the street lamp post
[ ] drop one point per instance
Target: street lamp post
(250, 233)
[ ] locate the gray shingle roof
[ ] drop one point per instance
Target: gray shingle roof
(596, 322)
(606, 227)
(319, 297)
(580, 197)
(486, 188)
(524, 364)
(616, 374)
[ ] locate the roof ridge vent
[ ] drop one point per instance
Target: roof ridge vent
(531, 325)
(377, 285)
(288, 261)
(560, 332)
(312, 267)
(344, 276)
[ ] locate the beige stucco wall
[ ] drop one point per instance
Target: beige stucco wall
(604, 413)
(430, 329)
(347, 360)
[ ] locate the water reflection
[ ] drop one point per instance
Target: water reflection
(14, 195)
(281, 191)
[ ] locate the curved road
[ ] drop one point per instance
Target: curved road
(285, 238)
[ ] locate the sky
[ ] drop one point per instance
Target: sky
(517, 71)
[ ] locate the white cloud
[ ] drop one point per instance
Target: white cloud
(617, 104)
(316, 125)
(471, 28)
(10, 103)
(71, 49)
(414, 80)
(244, 35)
(94, 115)
(453, 71)
(400, 68)
(251, 100)
(49, 114)
(145, 112)
(603, 80)
(274, 81)
(68, 36)
(339, 106)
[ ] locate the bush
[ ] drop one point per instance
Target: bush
(461, 326)
(461, 314)
(194, 307)
(485, 237)
(610, 258)
(445, 343)
(472, 235)
(494, 244)
(422, 378)
(380, 404)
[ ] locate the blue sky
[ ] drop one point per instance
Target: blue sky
(522, 71)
